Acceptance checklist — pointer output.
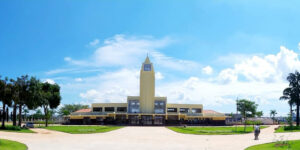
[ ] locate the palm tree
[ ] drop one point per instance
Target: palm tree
(272, 114)
(292, 93)
(288, 95)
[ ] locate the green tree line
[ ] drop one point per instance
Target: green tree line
(27, 92)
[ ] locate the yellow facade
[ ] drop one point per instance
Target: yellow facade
(147, 106)
(147, 88)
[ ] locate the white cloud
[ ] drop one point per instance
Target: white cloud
(112, 86)
(67, 58)
(175, 64)
(77, 62)
(207, 70)
(51, 81)
(94, 43)
(227, 76)
(78, 79)
(158, 76)
(57, 71)
(124, 51)
(269, 68)
(299, 45)
(233, 58)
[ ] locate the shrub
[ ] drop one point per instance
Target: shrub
(291, 127)
(255, 122)
(43, 122)
(14, 128)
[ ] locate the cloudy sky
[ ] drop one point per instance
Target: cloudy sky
(204, 52)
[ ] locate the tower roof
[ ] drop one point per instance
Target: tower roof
(147, 60)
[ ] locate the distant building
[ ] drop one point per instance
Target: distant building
(146, 109)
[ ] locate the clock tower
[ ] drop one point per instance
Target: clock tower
(147, 87)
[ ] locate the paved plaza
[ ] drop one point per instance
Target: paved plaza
(142, 138)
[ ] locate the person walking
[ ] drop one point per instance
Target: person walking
(256, 132)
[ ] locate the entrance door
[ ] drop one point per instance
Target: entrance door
(133, 119)
(147, 120)
(159, 120)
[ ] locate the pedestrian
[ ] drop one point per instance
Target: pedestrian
(256, 132)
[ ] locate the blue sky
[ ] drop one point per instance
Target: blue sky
(207, 52)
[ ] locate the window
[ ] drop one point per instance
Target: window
(121, 109)
(172, 109)
(159, 111)
(133, 106)
(147, 67)
(109, 109)
(97, 109)
(159, 103)
(184, 110)
(196, 110)
(159, 107)
(135, 110)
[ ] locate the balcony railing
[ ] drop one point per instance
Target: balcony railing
(88, 113)
(194, 114)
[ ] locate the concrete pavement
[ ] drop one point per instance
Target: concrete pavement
(142, 138)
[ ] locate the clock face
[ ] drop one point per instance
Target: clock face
(147, 67)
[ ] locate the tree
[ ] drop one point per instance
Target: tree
(7, 114)
(292, 93)
(38, 114)
(259, 113)
(272, 114)
(5, 97)
(26, 111)
(67, 109)
(290, 96)
(2, 91)
(15, 100)
(24, 94)
(247, 109)
(50, 98)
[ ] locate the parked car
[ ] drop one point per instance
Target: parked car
(29, 125)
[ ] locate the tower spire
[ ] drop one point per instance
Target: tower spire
(147, 60)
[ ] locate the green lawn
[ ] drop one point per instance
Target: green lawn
(288, 145)
(10, 128)
(11, 145)
(287, 129)
(83, 129)
(214, 130)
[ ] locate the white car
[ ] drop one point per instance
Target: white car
(29, 125)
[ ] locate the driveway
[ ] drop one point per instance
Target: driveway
(142, 138)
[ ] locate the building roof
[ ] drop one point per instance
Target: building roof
(210, 112)
(84, 110)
